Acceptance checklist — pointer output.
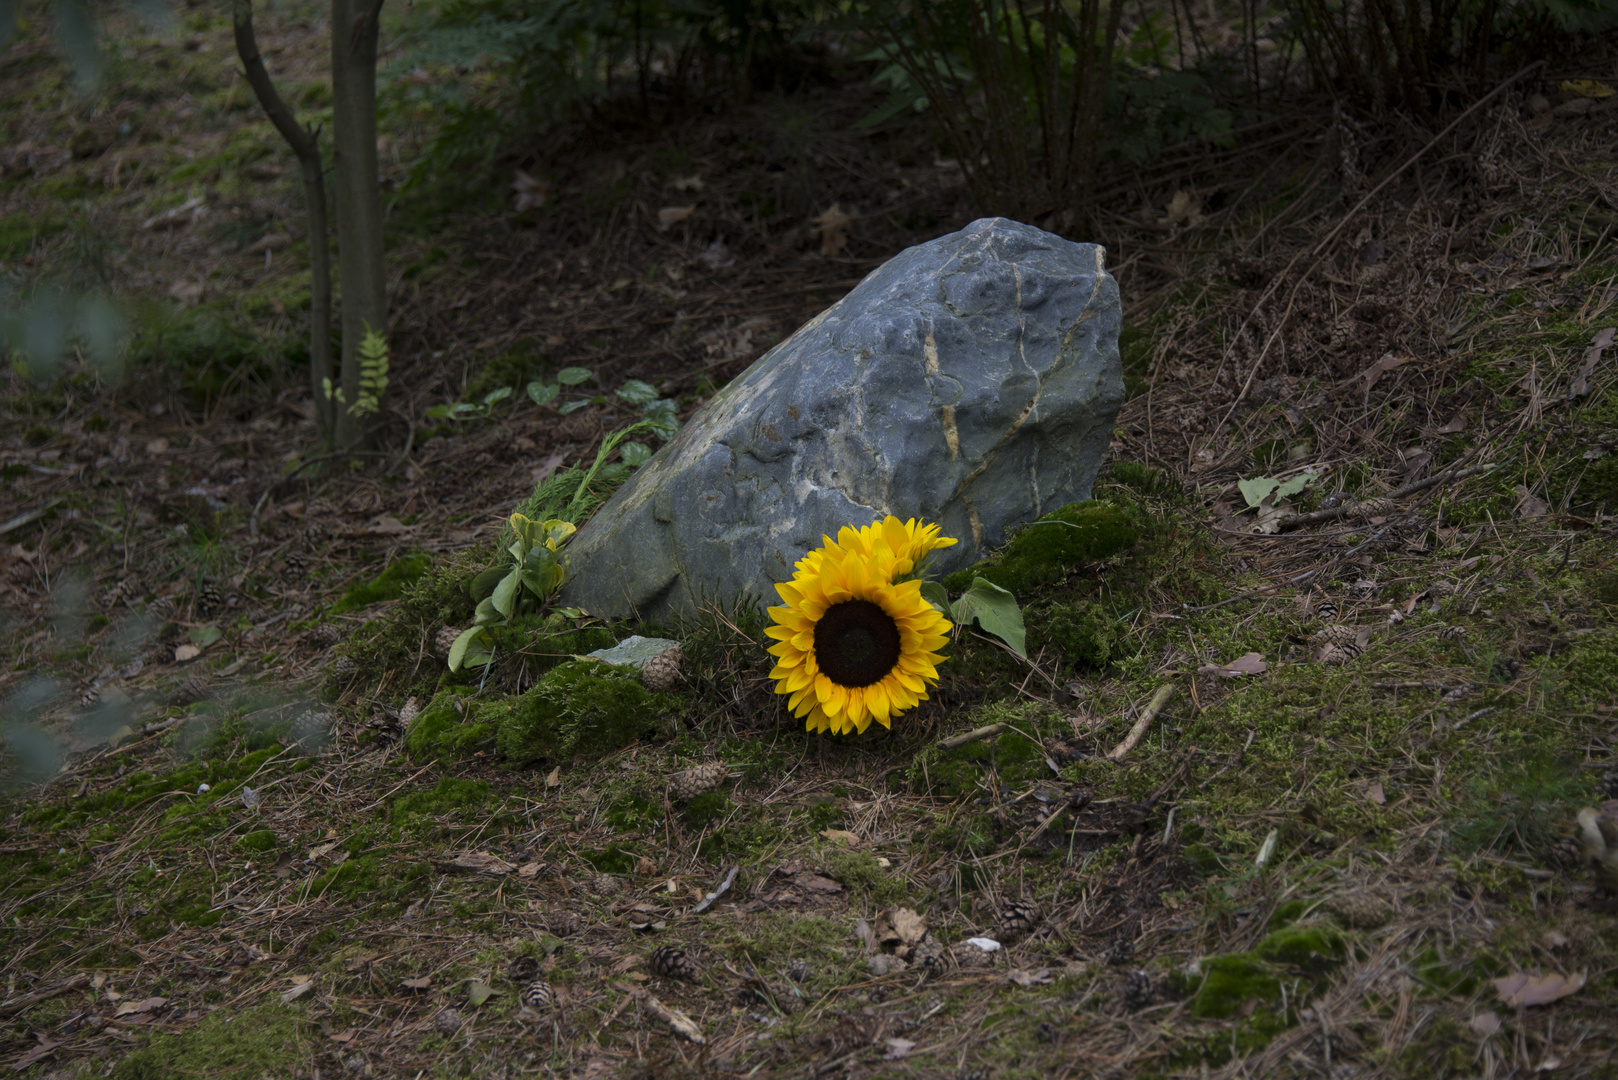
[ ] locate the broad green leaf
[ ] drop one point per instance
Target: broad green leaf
(1295, 485)
(573, 376)
(663, 417)
(934, 594)
(637, 393)
(635, 454)
(483, 583)
(464, 643)
(543, 393)
(1257, 489)
(438, 412)
(499, 393)
(504, 596)
(461, 408)
(572, 406)
(996, 611)
(485, 613)
(478, 991)
(203, 636)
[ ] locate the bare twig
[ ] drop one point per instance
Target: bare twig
(1153, 707)
(18, 1004)
(975, 735)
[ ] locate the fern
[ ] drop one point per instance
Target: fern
(373, 376)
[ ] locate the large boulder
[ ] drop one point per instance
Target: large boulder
(972, 380)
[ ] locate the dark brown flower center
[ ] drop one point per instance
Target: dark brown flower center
(856, 643)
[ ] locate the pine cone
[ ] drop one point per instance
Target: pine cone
(1137, 992)
(967, 955)
(325, 635)
(929, 955)
(1452, 633)
(523, 969)
(797, 970)
(1120, 952)
(91, 695)
(343, 667)
(538, 995)
(408, 712)
(670, 962)
(444, 641)
(447, 1021)
(163, 607)
(687, 784)
(1326, 610)
(314, 533)
(209, 599)
(1442, 588)
(311, 725)
(1334, 634)
(662, 672)
(192, 688)
(294, 566)
(1345, 653)
(121, 590)
(1363, 589)
(1374, 508)
(1018, 919)
(1357, 910)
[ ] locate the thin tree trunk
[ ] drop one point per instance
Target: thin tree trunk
(305, 143)
(354, 33)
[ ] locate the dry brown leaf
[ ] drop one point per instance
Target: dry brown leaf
(1183, 206)
(1553, 939)
(1592, 357)
(1485, 1023)
(44, 1050)
(815, 883)
(900, 926)
(1248, 664)
(670, 216)
(482, 862)
(304, 986)
(531, 191)
(862, 930)
(386, 525)
(145, 1005)
(1454, 424)
(1521, 989)
(423, 982)
(1376, 794)
(1372, 374)
(554, 779)
(832, 228)
(898, 1048)
(186, 653)
(841, 834)
(1029, 978)
(1530, 505)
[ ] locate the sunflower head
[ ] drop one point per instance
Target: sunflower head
(854, 640)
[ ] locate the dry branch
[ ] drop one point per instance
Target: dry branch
(1153, 707)
(975, 735)
(18, 1004)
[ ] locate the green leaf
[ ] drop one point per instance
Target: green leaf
(635, 454)
(478, 991)
(1256, 490)
(996, 611)
(203, 636)
(499, 393)
(485, 613)
(663, 417)
(572, 406)
(438, 412)
(637, 393)
(1295, 485)
(461, 408)
(934, 594)
(483, 584)
(464, 644)
(543, 393)
(504, 596)
(573, 376)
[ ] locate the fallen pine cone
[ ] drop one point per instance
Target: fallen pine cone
(662, 672)
(1374, 508)
(444, 641)
(1018, 918)
(1341, 654)
(670, 962)
(1357, 910)
(1335, 634)
(687, 784)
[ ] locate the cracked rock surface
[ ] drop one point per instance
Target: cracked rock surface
(972, 380)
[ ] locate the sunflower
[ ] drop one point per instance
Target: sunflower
(854, 642)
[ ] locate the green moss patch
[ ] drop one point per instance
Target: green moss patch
(584, 709)
(453, 726)
(1047, 549)
(267, 1040)
(388, 585)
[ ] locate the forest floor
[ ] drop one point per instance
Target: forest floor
(254, 826)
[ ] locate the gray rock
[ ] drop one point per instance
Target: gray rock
(635, 650)
(972, 380)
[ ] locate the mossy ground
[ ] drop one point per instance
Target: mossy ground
(221, 865)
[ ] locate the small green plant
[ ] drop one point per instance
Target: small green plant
(373, 376)
(534, 574)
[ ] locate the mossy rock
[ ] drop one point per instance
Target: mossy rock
(444, 731)
(584, 709)
(1047, 549)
